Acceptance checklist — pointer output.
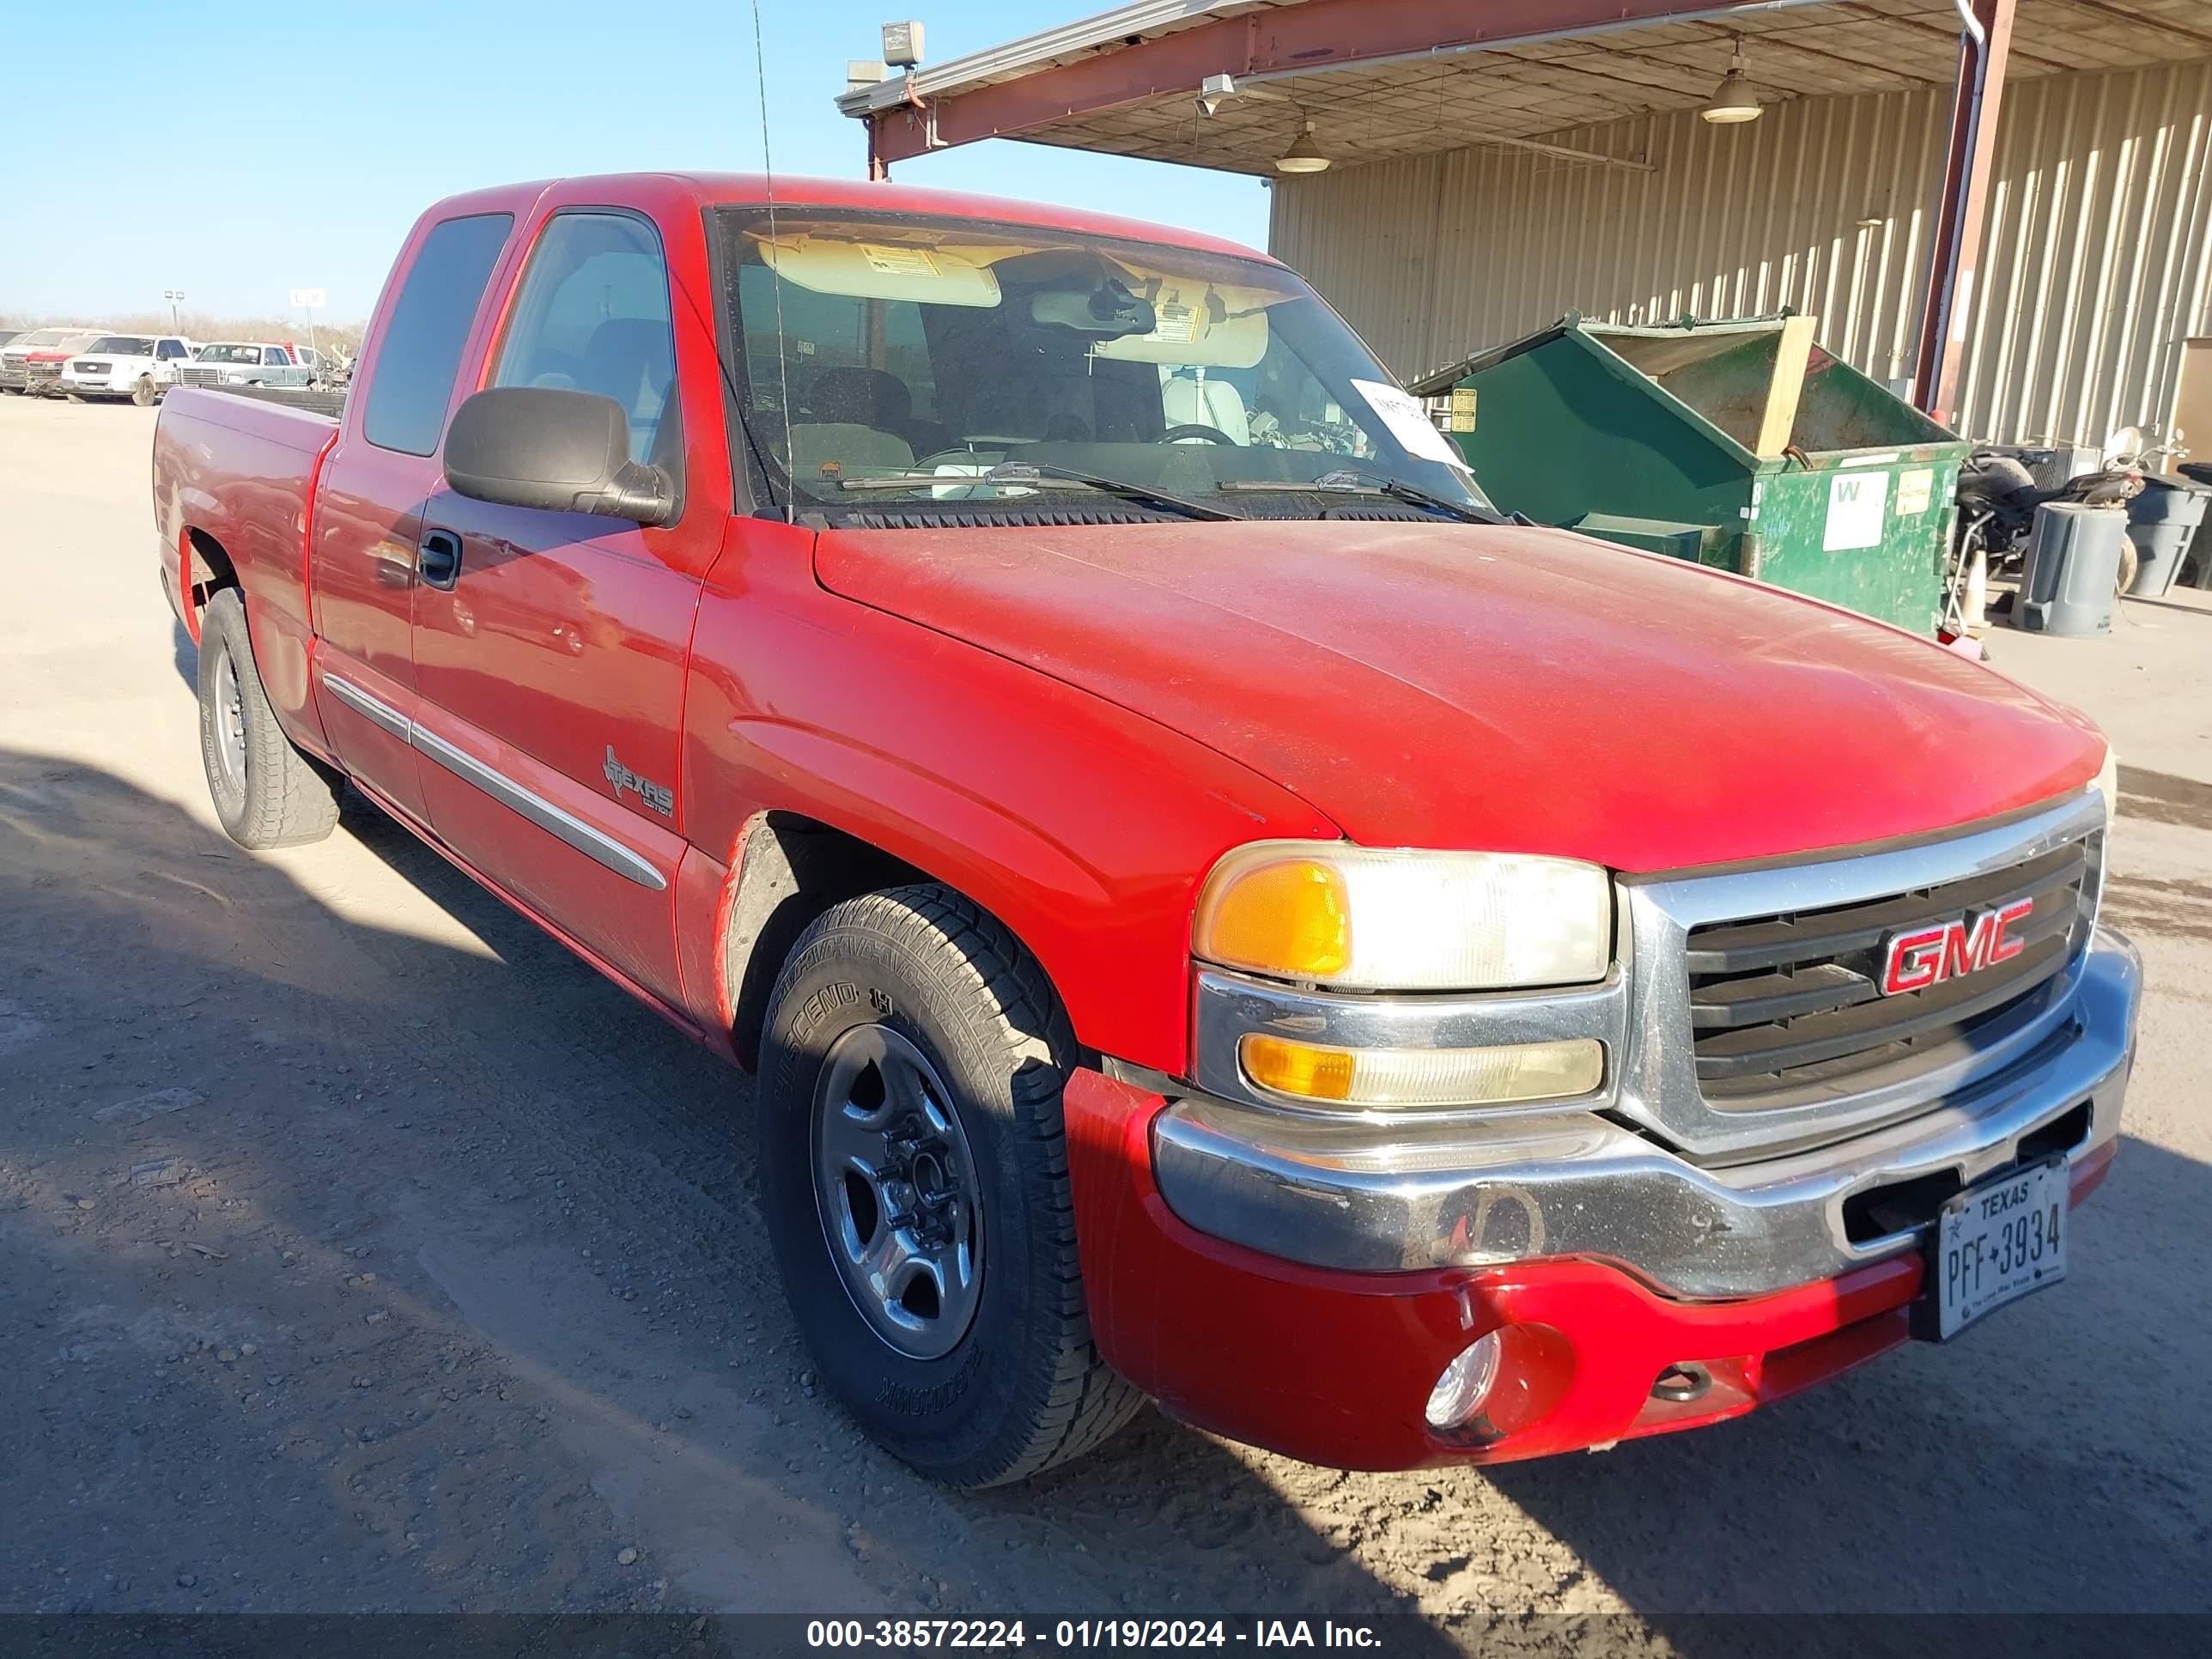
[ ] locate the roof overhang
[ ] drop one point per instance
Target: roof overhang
(1385, 78)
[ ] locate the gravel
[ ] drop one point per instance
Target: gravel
(263, 1073)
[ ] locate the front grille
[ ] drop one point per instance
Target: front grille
(1786, 1009)
(193, 375)
(43, 371)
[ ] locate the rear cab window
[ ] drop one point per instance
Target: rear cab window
(420, 356)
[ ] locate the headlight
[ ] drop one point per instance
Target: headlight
(1371, 919)
(2108, 783)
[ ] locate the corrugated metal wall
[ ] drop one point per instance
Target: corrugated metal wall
(2096, 261)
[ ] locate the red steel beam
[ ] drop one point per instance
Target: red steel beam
(1954, 255)
(1317, 35)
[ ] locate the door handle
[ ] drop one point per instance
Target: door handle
(438, 558)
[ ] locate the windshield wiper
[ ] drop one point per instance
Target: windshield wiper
(1016, 474)
(1347, 481)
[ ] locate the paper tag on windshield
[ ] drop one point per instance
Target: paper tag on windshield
(1178, 325)
(898, 261)
(1409, 423)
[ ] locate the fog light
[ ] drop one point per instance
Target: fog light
(1464, 1388)
(1505, 1075)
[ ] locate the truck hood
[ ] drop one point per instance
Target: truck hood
(1501, 687)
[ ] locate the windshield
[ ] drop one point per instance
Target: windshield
(917, 355)
(40, 337)
(230, 353)
(124, 345)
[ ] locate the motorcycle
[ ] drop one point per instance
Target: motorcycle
(1998, 498)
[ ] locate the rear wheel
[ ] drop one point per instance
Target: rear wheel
(913, 1174)
(266, 792)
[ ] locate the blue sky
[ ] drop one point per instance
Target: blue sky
(238, 149)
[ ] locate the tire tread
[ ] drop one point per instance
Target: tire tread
(291, 798)
(1076, 1401)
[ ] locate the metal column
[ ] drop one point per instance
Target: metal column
(1955, 253)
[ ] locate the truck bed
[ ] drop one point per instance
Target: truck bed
(315, 400)
(238, 470)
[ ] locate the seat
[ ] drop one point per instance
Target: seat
(851, 396)
(1185, 400)
(628, 360)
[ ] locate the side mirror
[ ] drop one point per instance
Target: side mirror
(563, 451)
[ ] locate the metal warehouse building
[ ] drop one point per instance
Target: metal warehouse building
(2007, 203)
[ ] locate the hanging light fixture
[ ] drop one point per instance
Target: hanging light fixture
(1732, 101)
(1305, 154)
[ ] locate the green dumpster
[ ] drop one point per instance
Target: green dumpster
(1739, 444)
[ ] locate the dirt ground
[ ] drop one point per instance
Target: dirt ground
(360, 1249)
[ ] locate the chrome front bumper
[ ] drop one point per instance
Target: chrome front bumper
(1523, 1188)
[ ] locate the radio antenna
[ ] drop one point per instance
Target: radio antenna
(776, 279)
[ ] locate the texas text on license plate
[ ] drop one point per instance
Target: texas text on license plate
(1995, 1243)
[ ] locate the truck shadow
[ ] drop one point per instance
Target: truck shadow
(490, 1230)
(428, 1268)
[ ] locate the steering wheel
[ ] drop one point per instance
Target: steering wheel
(1212, 434)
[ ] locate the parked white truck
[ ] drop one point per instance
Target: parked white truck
(139, 367)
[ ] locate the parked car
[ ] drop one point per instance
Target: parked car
(32, 362)
(1216, 912)
(249, 363)
(139, 367)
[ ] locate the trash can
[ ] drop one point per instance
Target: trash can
(2160, 523)
(1740, 443)
(2070, 582)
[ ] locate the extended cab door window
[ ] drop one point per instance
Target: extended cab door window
(420, 352)
(555, 659)
(593, 316)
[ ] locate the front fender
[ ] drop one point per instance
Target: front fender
(1082, 827)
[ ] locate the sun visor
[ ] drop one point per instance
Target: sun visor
(881, 270)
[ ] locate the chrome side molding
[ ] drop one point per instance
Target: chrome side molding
(375, 709)
(593, 844)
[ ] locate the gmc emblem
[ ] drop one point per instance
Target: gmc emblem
(1923, 956)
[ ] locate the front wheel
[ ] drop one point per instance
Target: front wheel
(913, 1174)
(143, 393)
(266, 792)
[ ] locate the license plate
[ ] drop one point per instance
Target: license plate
(1997, 1242)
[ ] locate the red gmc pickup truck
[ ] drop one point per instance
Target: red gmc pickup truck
(1216, 912)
